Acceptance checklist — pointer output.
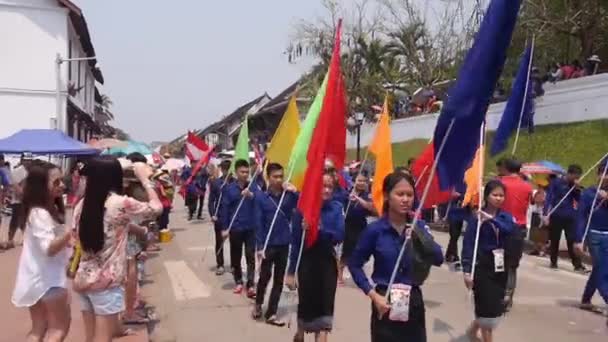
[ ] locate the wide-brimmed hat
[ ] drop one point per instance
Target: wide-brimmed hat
(594, 58)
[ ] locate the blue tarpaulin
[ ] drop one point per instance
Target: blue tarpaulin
(132, 147)
(44, 141)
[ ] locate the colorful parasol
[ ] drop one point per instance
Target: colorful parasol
(543, 167)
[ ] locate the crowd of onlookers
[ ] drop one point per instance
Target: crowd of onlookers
(94, 225)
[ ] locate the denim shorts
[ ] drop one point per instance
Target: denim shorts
(103, 303)
(54, 293)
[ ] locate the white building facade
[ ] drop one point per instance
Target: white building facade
(34, 93)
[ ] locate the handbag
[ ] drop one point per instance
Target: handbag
(421, 247)
(74, 261)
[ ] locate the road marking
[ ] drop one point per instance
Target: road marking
(200, 248)
(186, 285)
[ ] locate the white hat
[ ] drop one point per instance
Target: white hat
(594, 58)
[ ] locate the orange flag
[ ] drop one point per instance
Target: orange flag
(382, 149)
(472, 178)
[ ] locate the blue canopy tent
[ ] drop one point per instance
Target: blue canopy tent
(44, 142)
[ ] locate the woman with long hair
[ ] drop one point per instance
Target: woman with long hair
(102, 220)
(401, 317)
(490, 280)
(41, 282)
(318, 269)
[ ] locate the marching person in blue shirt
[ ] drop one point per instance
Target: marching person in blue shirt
(490, 280)
(358, 210)
(318, 269)
(216, 186)
(456, 216)
(597, 236)
(402, 318)
(277, 252)
(564, 216)
(241, 232)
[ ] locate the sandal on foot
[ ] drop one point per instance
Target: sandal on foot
(256, 314)
(125, 332)
(136, 320)
(273, 320)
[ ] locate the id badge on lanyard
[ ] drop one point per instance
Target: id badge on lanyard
(400, 296)
(400, 302)
(499, 254)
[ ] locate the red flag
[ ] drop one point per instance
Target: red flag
(202, 162)
(328, 142)
(422, 170)
(196, 148)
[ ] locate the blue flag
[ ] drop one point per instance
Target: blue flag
(520, 106)
(470, 96)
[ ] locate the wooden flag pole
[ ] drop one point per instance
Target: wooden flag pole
(482, 133)
(419, 209)
(523, 107)
(592, 209)
(574, 187)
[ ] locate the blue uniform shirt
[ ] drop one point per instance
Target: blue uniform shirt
(265, 207)
(201, 179)
(231, 197)
(341, 196)
(356, 213)
(488, 242)
(331, 230)
(383, 242)
(215, 189)
(599, 220)
(557, 189)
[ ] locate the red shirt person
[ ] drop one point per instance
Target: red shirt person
(518, 194)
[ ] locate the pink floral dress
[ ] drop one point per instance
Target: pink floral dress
(107, 268)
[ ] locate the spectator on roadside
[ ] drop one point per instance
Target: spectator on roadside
(555, 73)
(537, 83)
(102, 222)
(538, 233)
(592, 65)
(567, 71)
(18, 177)
(579, 71)
(518, 194)
(41, 283)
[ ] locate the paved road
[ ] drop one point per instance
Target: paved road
(195, 305)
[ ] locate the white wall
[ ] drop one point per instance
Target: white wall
(32, 32)
(582, 99)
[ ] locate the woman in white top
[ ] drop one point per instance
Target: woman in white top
(41, 283)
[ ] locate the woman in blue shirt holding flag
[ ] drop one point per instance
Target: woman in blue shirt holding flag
(318, 269)
(490, 279)
(402, 317)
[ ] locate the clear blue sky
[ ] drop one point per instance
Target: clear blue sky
(176, 65)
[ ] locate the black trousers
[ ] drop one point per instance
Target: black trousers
(238, 241)
(451, 253)
(16, 220)
(514, 250)
(556, 226)
(219, 242)
(201, 204)
(276, 257)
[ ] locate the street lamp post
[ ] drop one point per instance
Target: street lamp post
(359, 121)
(61, 115)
